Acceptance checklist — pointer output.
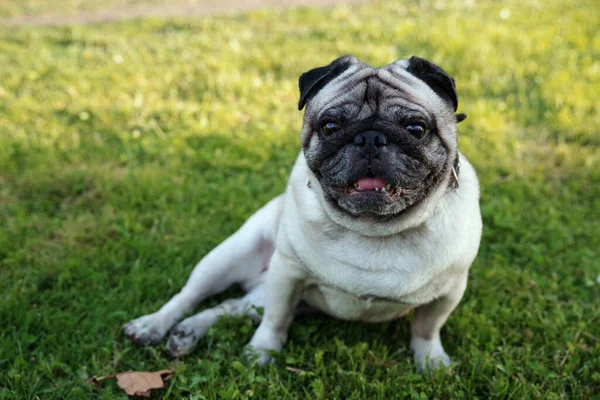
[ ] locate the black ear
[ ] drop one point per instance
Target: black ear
(435, 77)
(314, 80)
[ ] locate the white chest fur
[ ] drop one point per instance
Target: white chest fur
(358, 277)
(347, 306)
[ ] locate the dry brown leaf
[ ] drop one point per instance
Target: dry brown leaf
(136, 383)
(140, 383)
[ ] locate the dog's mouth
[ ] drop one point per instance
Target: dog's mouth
(372, 184)
(375, 186)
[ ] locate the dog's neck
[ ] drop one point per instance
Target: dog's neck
(455, 171)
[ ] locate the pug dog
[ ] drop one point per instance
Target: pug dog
(380, 217)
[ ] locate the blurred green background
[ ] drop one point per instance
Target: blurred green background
(129, 149)
(40, 8)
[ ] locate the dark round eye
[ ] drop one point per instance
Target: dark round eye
(329, 128)
(416, 130)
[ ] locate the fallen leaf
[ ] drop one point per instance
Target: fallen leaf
(140, 383)
(136, 383)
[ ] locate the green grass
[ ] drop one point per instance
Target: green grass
(129, 150)
(19, 8)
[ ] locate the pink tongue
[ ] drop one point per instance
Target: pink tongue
(371, 183)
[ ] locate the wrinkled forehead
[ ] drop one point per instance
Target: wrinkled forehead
(361, 84)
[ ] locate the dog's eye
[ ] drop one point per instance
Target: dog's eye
(416, 130)
(329, 128)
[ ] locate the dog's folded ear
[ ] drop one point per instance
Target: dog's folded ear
(435, 77)
(460, 117)
(314, 80)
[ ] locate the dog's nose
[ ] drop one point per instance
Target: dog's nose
(370, 143)
(370, 138)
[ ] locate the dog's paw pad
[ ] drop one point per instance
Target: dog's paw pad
(145, 331)
(182, 341)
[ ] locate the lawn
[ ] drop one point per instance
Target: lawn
(128, 150)
(19, 8)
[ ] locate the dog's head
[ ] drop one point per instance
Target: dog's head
(380, 141)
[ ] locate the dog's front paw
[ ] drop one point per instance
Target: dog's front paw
(263, 343)
(146, 331)
(429, 354)
(432, 361)
(183, 339)
(260, 356)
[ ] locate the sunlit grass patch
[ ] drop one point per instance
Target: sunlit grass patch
(65, 7)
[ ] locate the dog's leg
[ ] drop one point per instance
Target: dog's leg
(242, 258)
(187, 333)
(429, 319)
(285, 282)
